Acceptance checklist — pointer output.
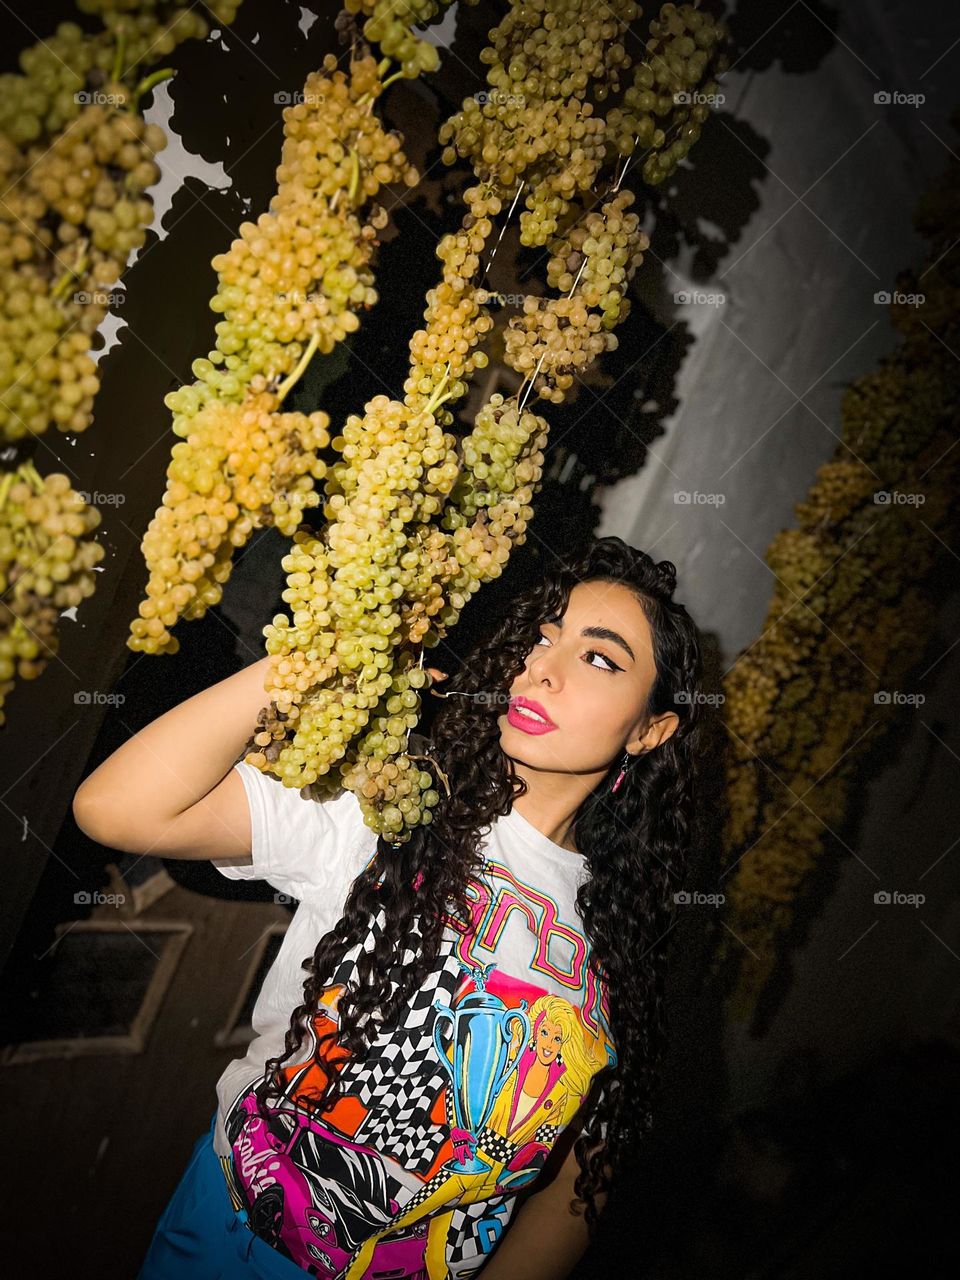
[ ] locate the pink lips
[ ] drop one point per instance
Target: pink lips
(524, 722)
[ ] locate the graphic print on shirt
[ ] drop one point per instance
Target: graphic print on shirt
(414, 1171)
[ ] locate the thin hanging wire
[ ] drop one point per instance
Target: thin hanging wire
(503, 230)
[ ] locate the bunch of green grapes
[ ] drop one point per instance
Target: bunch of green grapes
(598, 257)
(673, 89)
(396, 467)
(388, 574)
(536, 126)
(495, 458)
(302, 270)
(554, 340)
(70, 215)
(290, 285)
(47, 558)
(445, 353)
(243, 466)
(388, 24)
(490, 505)
(394, 791)
(61, 74)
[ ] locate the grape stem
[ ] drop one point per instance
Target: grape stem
(397, 75)
(64, 282)
(148, 83)
(118, 56)
(382, 66)
(436, 399)
(30, 472)
(431, 760)
(354, 181)
(302, 363)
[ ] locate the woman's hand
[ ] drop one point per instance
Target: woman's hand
(437, 675)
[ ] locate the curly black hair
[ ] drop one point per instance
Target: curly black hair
(635, 845)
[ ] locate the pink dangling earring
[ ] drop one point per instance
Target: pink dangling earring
(417, 881)
(623, 772)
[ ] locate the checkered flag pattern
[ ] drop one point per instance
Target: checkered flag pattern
(474, 1230)
(496, 1145)
(401, 1078)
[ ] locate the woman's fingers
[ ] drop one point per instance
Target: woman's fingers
(436, 675)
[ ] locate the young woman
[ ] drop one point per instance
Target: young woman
(473, 1051)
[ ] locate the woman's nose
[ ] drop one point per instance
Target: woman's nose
(542, 673)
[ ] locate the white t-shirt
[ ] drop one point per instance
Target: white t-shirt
(407, 1172)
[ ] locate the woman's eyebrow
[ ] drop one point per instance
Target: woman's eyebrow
(600, 633)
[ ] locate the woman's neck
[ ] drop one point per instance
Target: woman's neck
(546, 804)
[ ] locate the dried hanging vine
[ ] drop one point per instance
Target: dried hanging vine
(853, 598)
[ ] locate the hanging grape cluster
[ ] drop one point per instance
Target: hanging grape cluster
(302, 270)
(61, 74)
(290, 284)
(673, 90)
(243, 466)
(535, 127)
(418, 519)
(853, 597)
(389, 23)
(47, 558)
(76, 162)
(71, 212)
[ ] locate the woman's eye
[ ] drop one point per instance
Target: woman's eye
(612, 666)
(591, 654)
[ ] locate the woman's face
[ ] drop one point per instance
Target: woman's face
(590, 672)
(549, 1041)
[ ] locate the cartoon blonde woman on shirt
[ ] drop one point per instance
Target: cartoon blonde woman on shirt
(552, 1079)
(552, 1074)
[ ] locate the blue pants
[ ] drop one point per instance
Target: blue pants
(200, 1236)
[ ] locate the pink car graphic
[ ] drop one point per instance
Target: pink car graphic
(316, 1196)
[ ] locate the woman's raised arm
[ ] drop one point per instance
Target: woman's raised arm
(171, 789)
